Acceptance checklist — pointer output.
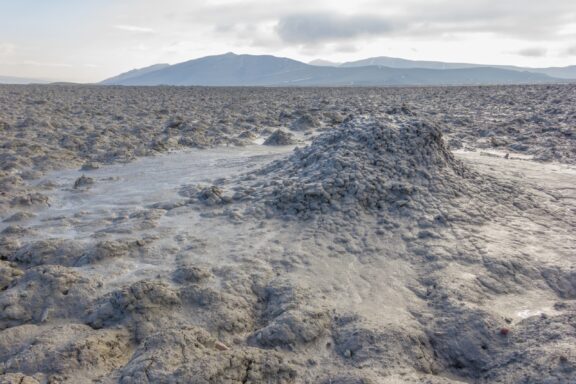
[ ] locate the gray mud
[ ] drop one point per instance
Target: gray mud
(378, 253)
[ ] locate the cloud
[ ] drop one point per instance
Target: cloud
(47, 64)
(134, 28)
(568, 29)
(281, 25)
(346, 48)
(246, 11)
(527, 20)
(571, 51)
(532, 52)
(313, 28)
(7, 49)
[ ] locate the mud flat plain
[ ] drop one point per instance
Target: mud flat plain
(286, 235)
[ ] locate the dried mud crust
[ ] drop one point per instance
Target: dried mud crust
(189, 355)
(63, 353)
(392, 268)
(50, 127)
(46, 293)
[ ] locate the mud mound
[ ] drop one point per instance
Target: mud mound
(70, 253)
(142, 305)
(280, 137)
(393, 163)
(482, 347)
(191, 355)
(305, 123)
(8, 273)
(65, 353)
(51, 292)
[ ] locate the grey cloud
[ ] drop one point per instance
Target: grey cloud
(314, 28)
(346, 48)
(518, 18)
(532, 52)
(571, 51)
(317, 22)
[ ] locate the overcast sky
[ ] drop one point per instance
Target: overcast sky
(89, 40)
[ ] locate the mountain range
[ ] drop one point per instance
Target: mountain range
(394, 62)
(264, 70)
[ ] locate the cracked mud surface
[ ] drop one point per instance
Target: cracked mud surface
(148, 236)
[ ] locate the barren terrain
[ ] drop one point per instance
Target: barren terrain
(278, 235)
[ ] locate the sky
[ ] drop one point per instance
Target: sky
(90, 40)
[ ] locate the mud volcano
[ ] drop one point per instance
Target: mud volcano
(394, 164)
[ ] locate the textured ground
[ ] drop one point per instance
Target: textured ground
(51, 127)
(398, 245)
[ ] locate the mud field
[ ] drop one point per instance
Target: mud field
(245, 235)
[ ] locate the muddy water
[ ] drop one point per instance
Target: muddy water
(125, 188)
(114, 208)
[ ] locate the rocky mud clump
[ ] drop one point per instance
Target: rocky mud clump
(280, 137)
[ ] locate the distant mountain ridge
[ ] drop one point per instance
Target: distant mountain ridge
(220, 70)
(568, 72)
(395, 62)
(265, 70)
(134, 73)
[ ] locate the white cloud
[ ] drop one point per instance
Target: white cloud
(7, 49)
(134, 28)
(567, 30)
(47, 64)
